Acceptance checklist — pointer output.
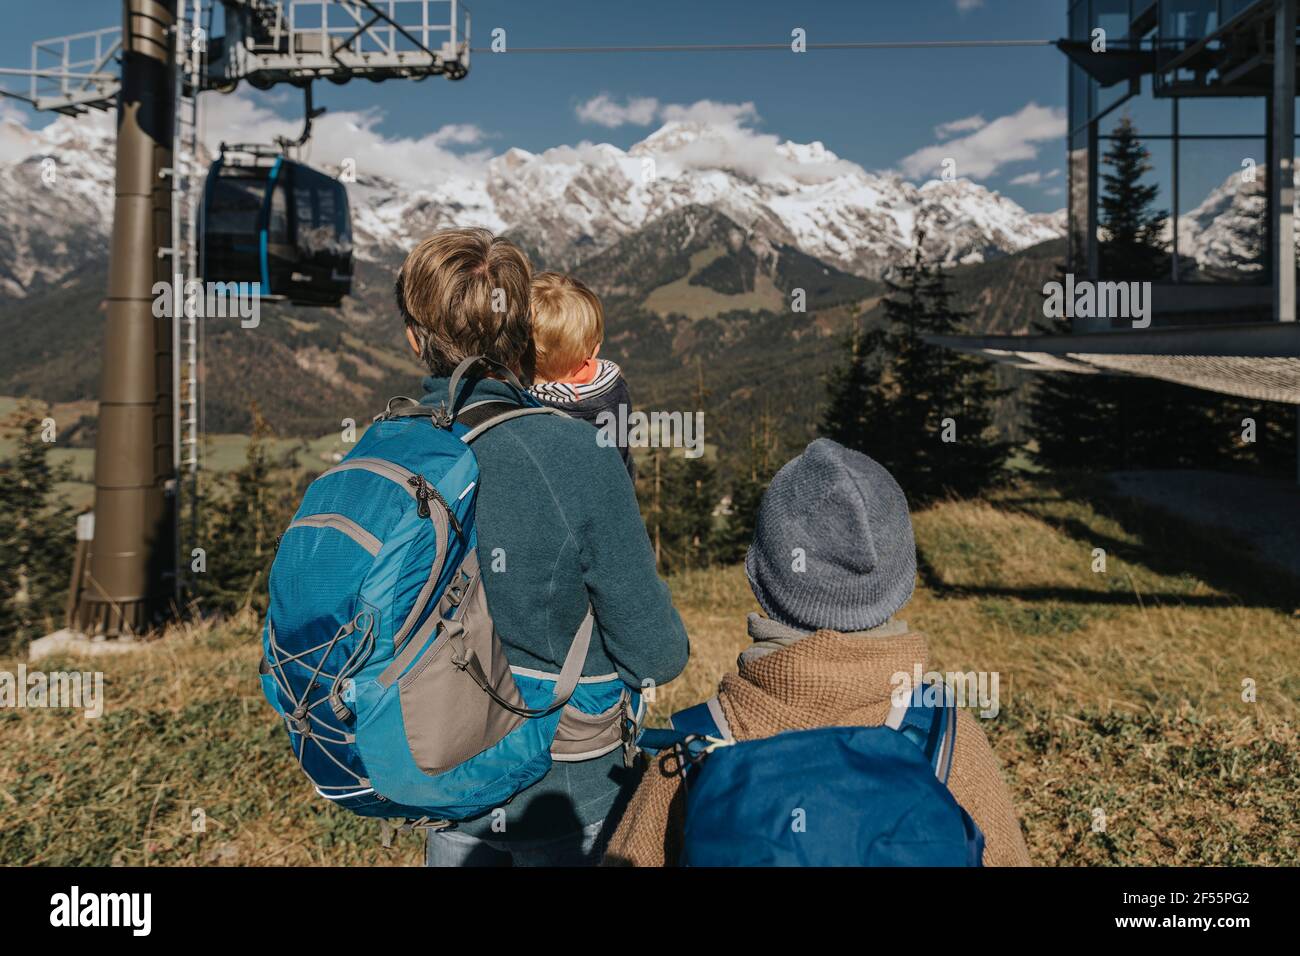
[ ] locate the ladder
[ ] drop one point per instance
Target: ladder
(185, 176)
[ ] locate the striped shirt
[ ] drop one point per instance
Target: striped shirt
(562, 393)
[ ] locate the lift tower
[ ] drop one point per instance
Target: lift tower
(131, 563)
(148, 442)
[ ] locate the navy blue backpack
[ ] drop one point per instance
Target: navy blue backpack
(834, 796)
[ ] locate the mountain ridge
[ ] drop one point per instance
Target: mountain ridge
(565, 204)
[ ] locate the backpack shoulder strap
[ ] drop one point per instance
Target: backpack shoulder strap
(931, 726)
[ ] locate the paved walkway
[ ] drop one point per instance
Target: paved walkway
(1264, 512)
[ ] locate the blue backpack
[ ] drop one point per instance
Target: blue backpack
(379, 652)
(834, 796)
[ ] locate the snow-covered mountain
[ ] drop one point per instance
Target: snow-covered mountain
(565, 204)
(56, 199)
(570, 202)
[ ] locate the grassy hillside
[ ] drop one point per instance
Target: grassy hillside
(1119, 691)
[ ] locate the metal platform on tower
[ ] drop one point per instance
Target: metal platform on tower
(276, 41)
(71, 74)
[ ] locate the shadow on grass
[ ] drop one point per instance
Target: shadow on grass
(1163, 544)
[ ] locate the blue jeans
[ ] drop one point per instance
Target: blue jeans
(581, 848)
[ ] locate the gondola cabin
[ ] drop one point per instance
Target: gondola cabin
(279, 224)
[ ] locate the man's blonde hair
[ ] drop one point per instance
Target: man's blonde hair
(466, 292)
(568, 323)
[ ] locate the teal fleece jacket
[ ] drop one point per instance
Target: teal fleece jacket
(564, 515)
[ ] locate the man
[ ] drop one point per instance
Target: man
(558, 530)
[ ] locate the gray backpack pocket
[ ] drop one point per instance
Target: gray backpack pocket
(448, 716)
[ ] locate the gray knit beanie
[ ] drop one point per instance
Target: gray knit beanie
(857, 563)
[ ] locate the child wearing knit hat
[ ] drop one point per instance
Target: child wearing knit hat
(832, 563)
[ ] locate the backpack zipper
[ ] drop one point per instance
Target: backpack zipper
(417, 486)
(424, 493)
(344, 524)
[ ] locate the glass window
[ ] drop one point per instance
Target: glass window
(321, 207)
(324, 206)
(1223, 210)
(1079, 20)
(278, 222)
(1108, 96)
(1078, 205)
(304, 202)
(342, 216)
(234, 204)
(1111, 16)
(1221, 116)
(1230, 8)
(1080, 87)
(1185, 20)
(1151, 116)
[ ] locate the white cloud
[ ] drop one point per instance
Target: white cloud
(1035, 178)
(967, 125)
(458, 134)
(711, 112)
(715, 135)
(604, 111)
(1007, 139)
(965, 6)
(423, 161)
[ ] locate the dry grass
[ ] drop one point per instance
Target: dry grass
(1119, 691)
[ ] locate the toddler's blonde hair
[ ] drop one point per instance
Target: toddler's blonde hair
(568, 324)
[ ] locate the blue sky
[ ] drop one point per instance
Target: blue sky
(881, 109)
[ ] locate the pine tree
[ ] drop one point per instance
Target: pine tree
(679, 517)
(1070, 416)
(243, 529)
(1132, 230)
(849, 389)
(747, 490)
(922, 411)
(697, 501)
(37, 537)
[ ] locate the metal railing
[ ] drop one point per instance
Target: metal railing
(317, 37)
(76, 71)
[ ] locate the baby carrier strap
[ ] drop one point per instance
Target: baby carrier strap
(480, 416)
(464, 369)
(477, 416)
